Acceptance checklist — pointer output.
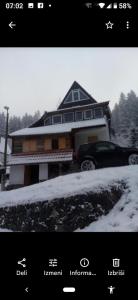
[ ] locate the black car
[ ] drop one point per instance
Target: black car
(105, 154)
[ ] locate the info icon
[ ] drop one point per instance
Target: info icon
(40, 5)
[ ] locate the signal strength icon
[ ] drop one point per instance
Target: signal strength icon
(109, 6)
(101, 5)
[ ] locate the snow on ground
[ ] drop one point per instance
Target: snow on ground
(124, 216)
(5, 230)
(73, 184)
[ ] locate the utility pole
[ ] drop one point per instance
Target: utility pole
(3, 181)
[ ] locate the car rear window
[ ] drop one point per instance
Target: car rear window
(85, 147)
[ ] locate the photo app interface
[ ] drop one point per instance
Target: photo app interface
(68, 149)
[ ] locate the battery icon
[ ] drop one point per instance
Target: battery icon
(115, 6)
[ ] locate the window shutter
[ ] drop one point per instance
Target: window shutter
(62, 142)
(26, 147)
(68, 142)
(32, 145)
(48, 144)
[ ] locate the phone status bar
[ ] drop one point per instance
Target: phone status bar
(53, 4)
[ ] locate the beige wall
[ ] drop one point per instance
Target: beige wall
(83, 136)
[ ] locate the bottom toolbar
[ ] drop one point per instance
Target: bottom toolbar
(89, 265)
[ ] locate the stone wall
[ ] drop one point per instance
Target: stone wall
(61, 215)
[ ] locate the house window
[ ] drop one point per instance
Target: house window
(88, 114)
(79, 115)
(57, 119)
(40, 144)
(83, 96)
(55, 144)
(47, 121)
(98, 112)
(92, 139)
(69, 117)
(69, 98)
(76, 95)
(17, 146)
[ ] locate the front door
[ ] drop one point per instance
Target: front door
(31, 174)
(53, 170)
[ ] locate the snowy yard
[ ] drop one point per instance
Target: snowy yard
(5, 230)
(122, 217)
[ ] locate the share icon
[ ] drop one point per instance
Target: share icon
(20, 262)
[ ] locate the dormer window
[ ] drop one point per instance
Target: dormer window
(69, 117)
(79, 115)
(76, 95)
(88, 114)
(57, 119)
(98, 112)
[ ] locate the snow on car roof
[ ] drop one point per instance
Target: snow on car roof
(59, 128)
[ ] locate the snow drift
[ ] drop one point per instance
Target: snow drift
(75, 201)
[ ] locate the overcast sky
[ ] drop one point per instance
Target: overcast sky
(34, 79)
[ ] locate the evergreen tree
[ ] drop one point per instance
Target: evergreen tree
(124, 120)
(16, 123)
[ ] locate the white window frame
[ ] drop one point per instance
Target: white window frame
(78, 111)
(85, 114)
(101, 112)
(71, 112)
(78, 92)
(72, 93)
(59, 115)
(83, 98)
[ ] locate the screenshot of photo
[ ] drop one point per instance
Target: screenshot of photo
(68, 149)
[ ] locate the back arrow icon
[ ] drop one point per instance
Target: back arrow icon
(12, 25)
(26, 289)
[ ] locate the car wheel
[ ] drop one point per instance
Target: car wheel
(87, 165)
(133, 159)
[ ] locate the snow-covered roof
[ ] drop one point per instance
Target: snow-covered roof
(2, 145)
(59, 128)
(40, 158)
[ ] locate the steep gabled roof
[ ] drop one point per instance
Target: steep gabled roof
(86, 97)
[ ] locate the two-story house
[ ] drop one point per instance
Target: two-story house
(45, 149)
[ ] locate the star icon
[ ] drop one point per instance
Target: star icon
(109, 25)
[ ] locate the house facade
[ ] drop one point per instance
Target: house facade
(46, 149)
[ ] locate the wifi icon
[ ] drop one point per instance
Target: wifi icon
(101, 5)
